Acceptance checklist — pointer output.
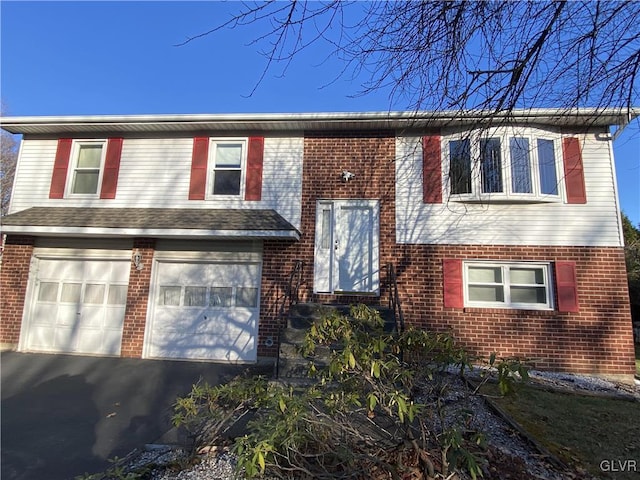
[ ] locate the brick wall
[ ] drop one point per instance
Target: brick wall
(370, 157)
(597, 339)
(135, 314)
(14, 275)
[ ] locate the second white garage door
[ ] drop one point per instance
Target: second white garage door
(205, 311)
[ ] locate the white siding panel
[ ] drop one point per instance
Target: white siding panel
(33, 175)
(155, 173)
(558, 223)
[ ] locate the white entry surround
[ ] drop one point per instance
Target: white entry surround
(205, 305)
(347, 247)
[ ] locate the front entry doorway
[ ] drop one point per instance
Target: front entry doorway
(347, 247)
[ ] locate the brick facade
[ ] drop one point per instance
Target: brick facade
(14, 276)
(597, 339)
(135, 315)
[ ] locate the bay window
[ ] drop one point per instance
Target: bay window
(503, 167)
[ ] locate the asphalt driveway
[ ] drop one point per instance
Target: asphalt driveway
(64, 415)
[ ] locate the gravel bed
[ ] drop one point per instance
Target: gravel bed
(170, 463)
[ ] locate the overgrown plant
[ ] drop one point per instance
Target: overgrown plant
(362, 418)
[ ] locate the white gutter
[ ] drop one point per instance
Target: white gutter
(307, 120)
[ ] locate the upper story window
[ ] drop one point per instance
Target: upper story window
(503, 166)
(227, 161)
(87, 162)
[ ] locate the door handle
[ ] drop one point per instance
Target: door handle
(336, 243)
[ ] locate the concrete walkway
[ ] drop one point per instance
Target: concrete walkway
(64, 415)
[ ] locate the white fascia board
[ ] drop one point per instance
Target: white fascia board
(146, 232)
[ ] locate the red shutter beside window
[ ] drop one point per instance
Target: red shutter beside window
(199, 160)
(60, 167)
(255, 156)
(431, 169)
(567, 287)
(573, 170)
(453, 285)
(111, 168)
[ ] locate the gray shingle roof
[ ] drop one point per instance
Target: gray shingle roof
(149, 220)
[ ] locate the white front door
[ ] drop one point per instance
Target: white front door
(346, 247)
(78, 306)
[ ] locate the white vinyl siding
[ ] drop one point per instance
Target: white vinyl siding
(155, 173)
(510, 223)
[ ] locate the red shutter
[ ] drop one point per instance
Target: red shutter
(111, 168)
(255, 154)
(60, 167)
(431, 169)
(573, 170)
(453, 288)
(567, 287)
(199, 160)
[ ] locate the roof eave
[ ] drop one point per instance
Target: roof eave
(104, 232)
(310, 121)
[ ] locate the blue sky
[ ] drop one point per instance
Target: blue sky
(86, 58)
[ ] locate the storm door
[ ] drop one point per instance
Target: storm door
(347, 247)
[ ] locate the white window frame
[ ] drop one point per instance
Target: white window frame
(507, 284)
(73, 167)
(211, 167)
(507, 195)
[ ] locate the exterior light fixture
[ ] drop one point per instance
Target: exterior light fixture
(347, 175)
(137, 260)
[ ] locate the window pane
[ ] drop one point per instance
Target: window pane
(89, 156)
(86, 182)
(485, 275)
(529, 295)
(226, 182)
(169, 296)
(220, 297)
(520, 165)
(228, 155)
(325, 233)
(48, 292)
(247, 297)
(547, 166)
(527, 276)
(71, 292)
(460, 166)
(491, 165)
(195, 296)
(486, 294)
(94, 294)
(117, 295)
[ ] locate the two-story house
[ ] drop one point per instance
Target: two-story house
(173, 236)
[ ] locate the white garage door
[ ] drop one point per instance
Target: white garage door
(78, 306)
(206, 311)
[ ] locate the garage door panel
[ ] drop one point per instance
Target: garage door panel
(233, 322)
(67, 315)
(78, 306)
(206, 347)
(42, 337)
(93, 317)
(205, 311)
